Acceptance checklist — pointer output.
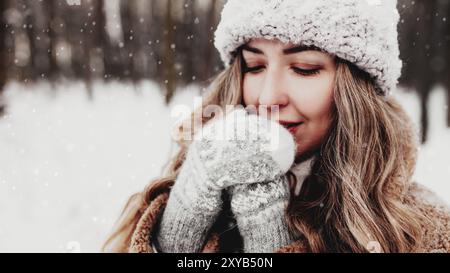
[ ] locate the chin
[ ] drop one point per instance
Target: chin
(305, 151)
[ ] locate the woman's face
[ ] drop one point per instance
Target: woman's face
(300, 81)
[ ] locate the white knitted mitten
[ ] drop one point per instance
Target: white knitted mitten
(260, 214)
(236, 149)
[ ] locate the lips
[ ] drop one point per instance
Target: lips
(293, 129)
(291, 126)
(288, 125)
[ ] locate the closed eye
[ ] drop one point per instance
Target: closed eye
(303, 72)
(253, 70)
(306, 72)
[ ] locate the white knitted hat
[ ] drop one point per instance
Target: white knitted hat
(363, 32)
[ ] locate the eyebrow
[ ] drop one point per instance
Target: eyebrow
(288, 51)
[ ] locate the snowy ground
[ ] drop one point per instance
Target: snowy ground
(68, 164)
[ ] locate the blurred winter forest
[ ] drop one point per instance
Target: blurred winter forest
(88, 90)
(170, 42)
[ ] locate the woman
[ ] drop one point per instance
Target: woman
(329, 67)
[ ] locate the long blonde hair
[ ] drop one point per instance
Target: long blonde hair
(349, 199)
(352, 200)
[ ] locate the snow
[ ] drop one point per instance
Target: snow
(69, 163)
(434, 157)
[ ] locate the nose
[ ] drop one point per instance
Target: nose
(273, 93)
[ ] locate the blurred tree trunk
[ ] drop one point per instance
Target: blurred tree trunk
(76, 39)
(128, 36)
(197, 42)
(169, 53)
(420, 73)
(133, 42)
(156, 32)
(38, 39)
(52, 72)
(99, 28)
(407, 37)
(3, 54)
(186, 41)
(208, 55)
(152, 65)
(111, 52)
(425, 77)
(439, 60)
(92, 45)
(62, 45)
(31, 25)
(424, 44)
(141, 56)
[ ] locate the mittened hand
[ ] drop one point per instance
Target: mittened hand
(247, 199)
(260, 214)
(240, 148)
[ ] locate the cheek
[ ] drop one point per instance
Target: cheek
(250, 93)
(315, 105)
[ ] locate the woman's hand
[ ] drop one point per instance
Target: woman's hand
(240, 149)
(243, 149)
(260, 214)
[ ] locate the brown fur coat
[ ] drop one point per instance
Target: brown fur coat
(436, 233)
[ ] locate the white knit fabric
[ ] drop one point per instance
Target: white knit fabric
(301, 171)
(229, 151)
(363, 32)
